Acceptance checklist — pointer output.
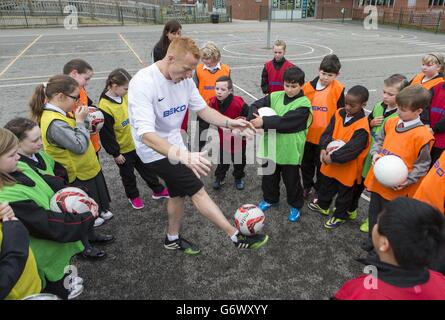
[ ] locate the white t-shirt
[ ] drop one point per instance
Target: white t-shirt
(158, 105)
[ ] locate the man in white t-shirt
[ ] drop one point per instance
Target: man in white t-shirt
(158, 99)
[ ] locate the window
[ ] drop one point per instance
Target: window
(286, 4)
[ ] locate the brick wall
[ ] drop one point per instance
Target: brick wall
(331, 9)
(246, 9)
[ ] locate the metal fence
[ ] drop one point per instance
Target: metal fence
(430, 21)
(31, 13)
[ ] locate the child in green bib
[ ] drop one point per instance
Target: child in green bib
(282, 144)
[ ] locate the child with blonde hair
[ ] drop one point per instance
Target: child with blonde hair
(206, 73)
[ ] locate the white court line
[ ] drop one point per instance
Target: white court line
(18, 57)
(132, 50)
(49, 76)
(249, 94)
(36, 83)
(69, 53)
(54, 42)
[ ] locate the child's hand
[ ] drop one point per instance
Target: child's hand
(376, 157)
(241, 127)
(81, 114)
(257, 122)
(323, 154)
(6, 212)
(401, 186)
(376, 121)
(327, 158)
(120, 160)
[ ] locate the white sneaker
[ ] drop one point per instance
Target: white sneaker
(107, 215)
(75, 291)
(76, 281)
(98, 222)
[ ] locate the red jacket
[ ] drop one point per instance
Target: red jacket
(233, 111)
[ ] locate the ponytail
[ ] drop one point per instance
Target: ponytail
(37, 102)
(57, 84)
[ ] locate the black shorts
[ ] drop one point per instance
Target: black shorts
(180, 179)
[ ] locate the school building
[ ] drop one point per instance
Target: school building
(301, 9)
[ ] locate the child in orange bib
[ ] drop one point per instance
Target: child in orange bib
(326, 95)
(408, 138)
(341, 168)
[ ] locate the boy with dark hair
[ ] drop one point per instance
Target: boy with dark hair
(230, 147)
(381, 112)
(341, 168)
(326, 95)
(408, 138)
(273, 71)
(294, 115)
(407, 238)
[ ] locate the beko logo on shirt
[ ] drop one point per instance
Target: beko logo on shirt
(322, 109)
(174, 110)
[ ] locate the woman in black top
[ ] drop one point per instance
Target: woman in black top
(172, 30)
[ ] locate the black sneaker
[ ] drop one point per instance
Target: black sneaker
(239, 184)
(217, 184)
(181, 244)
(93, 253)
(102, 239)
(251, 242)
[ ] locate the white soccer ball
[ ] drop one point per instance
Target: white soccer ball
(73, 200)
(390, 171)
(96, 119)
(249, 219)
(334, 145)
(266, 112)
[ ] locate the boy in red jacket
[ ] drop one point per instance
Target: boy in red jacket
(231, 147)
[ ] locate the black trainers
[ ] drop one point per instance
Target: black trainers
(217, 184)
(93, 253)
(251, 242)
(181, 244)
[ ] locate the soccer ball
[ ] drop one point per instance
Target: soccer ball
(390, 171)
(249, 219)
(72, 200)
(96, 119)
(334, 145)
(266, 112)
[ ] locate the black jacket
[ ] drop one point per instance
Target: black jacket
(13, 255)
(352, 149)
(291, 122)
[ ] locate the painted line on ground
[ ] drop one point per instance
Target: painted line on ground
(49, 76)
(249, 94)
(132, 50)
(36, 83)
(18, 57)
(70, 53)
